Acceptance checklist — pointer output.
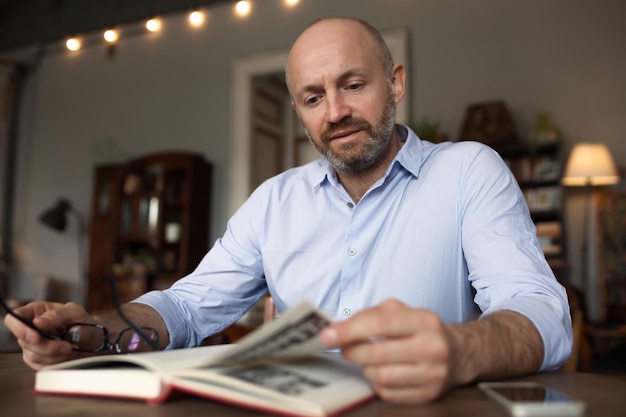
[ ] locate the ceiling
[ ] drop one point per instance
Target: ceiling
(31, 22)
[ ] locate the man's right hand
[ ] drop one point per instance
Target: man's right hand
(37, 350)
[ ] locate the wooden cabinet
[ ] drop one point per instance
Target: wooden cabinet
(538, 172)
(149, 224)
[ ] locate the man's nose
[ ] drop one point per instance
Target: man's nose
(338, 108)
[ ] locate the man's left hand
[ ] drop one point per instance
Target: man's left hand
(408, 354)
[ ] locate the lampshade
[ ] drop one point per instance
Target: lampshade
(590, 164)
(56, 217)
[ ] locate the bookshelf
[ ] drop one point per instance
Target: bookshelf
(538, 171)
(149, 224)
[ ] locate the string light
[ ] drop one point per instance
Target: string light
(153, 24)
(243, 7)
(111, 36)
(73, 44)
(196, 18)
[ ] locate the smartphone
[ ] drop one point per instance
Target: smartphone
(531, 399)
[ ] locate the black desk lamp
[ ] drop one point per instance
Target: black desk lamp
(56, 218)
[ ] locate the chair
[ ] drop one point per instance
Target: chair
(589, 339)
(580, 348)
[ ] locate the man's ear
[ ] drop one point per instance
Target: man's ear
(398, 81)
(293, 106)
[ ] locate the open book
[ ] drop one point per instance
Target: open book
(279, 368)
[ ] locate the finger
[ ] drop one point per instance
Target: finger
(19, 329)
(408, 384)
(46, 316)
(34, 342)
(422, 346)
(21, 322)
(404, 375)
(409, 395)
(56, 315)
(363, 326)
(389, 319)
(32, 312)
(55, 352)
(37, 308)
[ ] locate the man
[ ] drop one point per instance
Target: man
(397, 238)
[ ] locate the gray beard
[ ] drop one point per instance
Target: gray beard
(376, 148)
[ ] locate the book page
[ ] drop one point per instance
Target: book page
(159, 361)
(292, 334)
(319, 381)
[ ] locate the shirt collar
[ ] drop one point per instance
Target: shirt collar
(412, 153)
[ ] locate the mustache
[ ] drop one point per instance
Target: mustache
(347, 124)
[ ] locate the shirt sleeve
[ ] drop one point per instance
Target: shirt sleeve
(506, 264)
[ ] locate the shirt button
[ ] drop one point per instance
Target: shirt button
(350, 205)
(351, 251)
(346, 312)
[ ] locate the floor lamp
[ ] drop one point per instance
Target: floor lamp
(589, 165)
(56, 218)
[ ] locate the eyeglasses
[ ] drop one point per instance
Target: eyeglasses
(88, 337)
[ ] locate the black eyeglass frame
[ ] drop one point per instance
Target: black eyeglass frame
(106, 341)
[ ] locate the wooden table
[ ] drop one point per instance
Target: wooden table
(605, 395)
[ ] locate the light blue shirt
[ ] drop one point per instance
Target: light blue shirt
(447, 228)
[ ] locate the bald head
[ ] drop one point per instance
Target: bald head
(345, 88)
(335, 33)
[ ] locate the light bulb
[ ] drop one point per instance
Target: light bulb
(243, 7)
(196, 18)
(111, 36)
(73, 44)
(153, 25)
(291, 3)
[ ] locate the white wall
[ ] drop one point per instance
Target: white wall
(172, 91)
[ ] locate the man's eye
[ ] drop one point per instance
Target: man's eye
(312, 100)
(354, 86)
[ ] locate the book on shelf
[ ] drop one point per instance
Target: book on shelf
(549, 234)
(279, 368)
(543, 198)
(550, 228)
(546, 169)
